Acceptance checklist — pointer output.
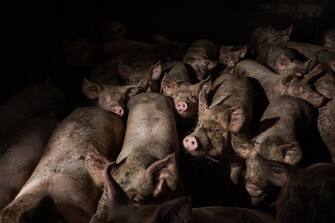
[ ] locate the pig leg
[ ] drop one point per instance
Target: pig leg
(30, 195)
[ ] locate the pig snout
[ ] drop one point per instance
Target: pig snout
(253, 189)
(118, 110)
(231, 63)
(181, 106)
(190, 143)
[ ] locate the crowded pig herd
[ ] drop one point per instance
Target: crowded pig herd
(176, 132)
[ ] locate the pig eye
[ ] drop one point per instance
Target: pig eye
(217, 130)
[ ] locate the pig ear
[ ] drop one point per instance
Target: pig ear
(133, 89)
(90, 89)
(156, 71)
(95, 164)
(287, 79)
(243, 51)
(169, 85)
(291, 152)
(236, 119)
(276, 172)
(289, 30)
(164, 175)
(116, 196)
(223, 52)
(203, 105)
(124, 70)
(206, 85)
(178, 210)
(240, 147)
(332, 66)
(283, 62)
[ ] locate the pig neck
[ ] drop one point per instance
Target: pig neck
(268, 80)
(284, 128)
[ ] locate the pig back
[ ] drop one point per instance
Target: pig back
(289, 108)
(151, 126)
(236, 90)
(85, 129)
(290, 115)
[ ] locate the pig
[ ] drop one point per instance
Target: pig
(21, 150)
(265, 38)
(62, 174)
(326, 119)
(202, 55)
(329, 39)
(111, 97)
(276, 85)
(176, 210)
(230, 56)
(286, 61)
(327, 58)
(307, 49)
(307, 195)
(136, 61)
(230, 113)
(282, 123)
(32, 101)
(177, 85)
(272, 51)
(146, 167)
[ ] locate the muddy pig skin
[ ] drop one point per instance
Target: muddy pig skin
(61, 173)
(229, 114)
(146, 167)
(307, 195)
(121, 209)
(176, 84)
(265, 38)
(276, 85)
(202, 55)
(21, 149)
(286, 61)
(326, 119)
(286, 118)
(29, 102)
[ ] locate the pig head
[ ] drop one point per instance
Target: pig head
(110, 97)
(185, 95)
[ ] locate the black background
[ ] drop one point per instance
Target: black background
(32, 34)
